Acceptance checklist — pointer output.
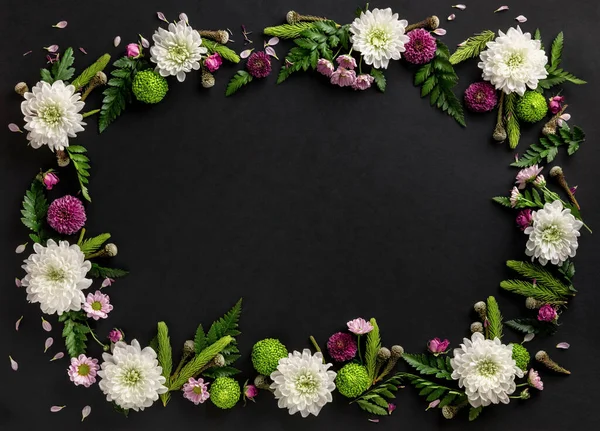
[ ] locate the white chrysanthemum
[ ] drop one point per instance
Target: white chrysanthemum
(131, 377)
(486, 369)
(302, 383)
(553, 234)
(513, 62)
(177, 51)
(379, 36)
(52, 114)
(56, 277)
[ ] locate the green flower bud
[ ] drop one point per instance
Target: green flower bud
(532, 107)
(266, 355)
(352, 380)
(225, 392)
(149, 87)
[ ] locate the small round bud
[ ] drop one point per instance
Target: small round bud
(111, 250)
(384, 354)
(525, 395)
(449, 411)
(99, 79)
(476, 327)
(532, 303)
(21, 88)
(397, 351)
(208, 80)
(219, 360)
(62, 159)
(556, 171)
(499, 134)
(434, 22)
(189, 347)
(541, 356)
(480, 307)
(222, 37)
(262, 382)
(292, 17)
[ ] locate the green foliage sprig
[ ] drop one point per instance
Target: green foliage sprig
(513, 128)
(92, 245)
(547, 148)
(35, 208)
(472, 46)
(430, 365)
(75, 332)
(289, 31)
(541, 275)
(433, 391)
(81, 163)
(529, 289)
(474, 412)
(225, 52)
(379, 79)
(376, 401)
(240, 79)
(556, 75)
(373, 344)
(532, 326)
(86, 76)
(165, 357)
(61, 70)
(98, 271)
(494, 317)
(437, 79)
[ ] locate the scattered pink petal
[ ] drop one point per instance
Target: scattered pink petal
(439, 31)
(18, 323)
(13, 364)
(521, 19)
(61, 24)
(161, 16)
(451, 17)
(46, 325)
(117, 41)
(432, 404)
(273, 41)
(528, 337)
(83, 50)
(55, 409)
(463, 43)
(563, 118)
(14, 128)
(27, 53)
(59, 355)
(144, 42)
(52, 58)
(246, 53)
(51, 48)
(459, 6)
(501, 8)
(20, 249)
(107, 282)
(85, 412)
(516, 157)
(563, 345)
(183, 17)
(49, 342)
(17, 282)
(375, 421)
(270, 51)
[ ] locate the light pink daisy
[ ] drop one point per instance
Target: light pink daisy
(533, 378)
(83, 371)
(325, 67)
(359, 326)
(515, 195)
(346, 61)
(363, 82)
(527, 175)
(343, 77)
(196, 391)
(97, 305)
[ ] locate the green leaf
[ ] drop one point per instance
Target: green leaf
(87, 75)
(74, 332)
(513, 128)
(226, 325)
(62, 70)
(240, 79)
(541, 275)
(200, 340)
(98, 271)
(217, 372)
(373, 344)
(474, 412)
(429, 389)
(165, 357)
(81, 164)
(547, 147)
(472, 47)
(494, 319)
(35, 208)
(532, 326)
(225, 52)
(556, 51)
(430, 365)
(92, 245)
(288, 31)
(46, 76)
(502, 200)
(372, 408)
(379, 79)
(527, 289)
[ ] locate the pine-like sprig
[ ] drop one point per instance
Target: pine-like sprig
(35, 208)
(373, 344)
(240, 79)
(437, 79)
(433, 391)
(288, 31)
(86, 76)
(532, 326)
(98, 271)
(472, 46)
(513, 129)
(541, 276)
(74, 332)
(61, 69)
(494, 328)
(376, 400)
(547, 148)
(92, 245)
(225, 52)
(165, 357)
(528, 289)
(430, 365)
(81, 163)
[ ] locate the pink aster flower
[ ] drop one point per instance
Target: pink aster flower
(49, 179)
(533, 378)
(524, 219)
(134, 50)
(259, 65)
(363, 82)
(342, 347)
(196, 391)
(213, 62)
(343, 77)
(527, 175)
(97, 305)
(359, 326)
(82, 371)
(66, 215)
(515, 195)
(539, 181)
(437, 346)
(421, 47)
(115, 335)
(325, 67)
(481, 97)
(547, 313)
(346, 61)
(555, 104)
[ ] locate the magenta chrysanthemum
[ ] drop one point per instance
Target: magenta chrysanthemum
(66, 215)
(343, 77)
(363, 82)
(342, 347)
(97, 305)
(547, 313)
(421, 47)
(82, 371)
(196, 391)
(481, 97)
(346, 61)
(259, 65)
(325, 67)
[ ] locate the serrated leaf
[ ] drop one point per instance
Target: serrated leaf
(240, 79)
(372, 408)
(98, 271)
(217, 372)
(556, 51)
(86, 76)
(379, 79)
(92, 245)
(428, 365)
(200, 340)
(46, 76)
(474, 412)
(62, 70)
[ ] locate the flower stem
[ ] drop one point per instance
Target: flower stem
(81, 235)
(316, 345)
(89, 113)
(359, 352)
(104, 346)
(522, 384)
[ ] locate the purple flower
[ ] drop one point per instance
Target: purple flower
(196, 391)
(527, 175)
(97, 305)
(391, 408)
(342, 346)
(555, 104)
(359, 326)
(346, 61)
(49, 179)
(82, 371)
(437, 346)
(343, 77)
(259, 65)
(213, 62)
(115, 335)
(481, 97)
(547, 313)
(66, 215)
(420, 49)
(134, 50)
(533, 378)
(250, 391)
(524, 219)
(325, 67)
(363, 82)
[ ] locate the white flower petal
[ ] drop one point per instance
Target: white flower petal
(14, 128)
(528, 337)
(48, 343)
(451, 17)
(521, 19)
(273, 41)
(13, 364)
(440, 31)
(18, 323)
(563, 345)
(61, 24)
(55, 409)
(246, 53)
(20, 249)
(85, 412)
(459, 6)
(501, 8)
(59, 355)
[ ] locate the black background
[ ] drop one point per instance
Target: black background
(314, 203)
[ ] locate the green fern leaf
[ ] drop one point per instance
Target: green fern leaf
(547, 147)
(165, 357)
(98, 271)
(532, 326)
(556, 51)
(542, 276)
(372, 408)
(75, 332)
(240, 79)
(373, 345)
(82, 166)
(92, 245)
(429, 365)
(431, 390)
(200, 340)
(226, 325)
(528, 289)
(494, 317)
(502, 200)
(86, 76)
(472, 47)
(35, 208)
(213, 373)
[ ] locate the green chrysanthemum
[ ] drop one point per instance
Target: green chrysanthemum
(521, 356)
(149, 87)
(352, 380)
(225, 392)
(266, 355)
(532, 107)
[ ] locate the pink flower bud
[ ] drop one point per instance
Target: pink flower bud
(115, 335)
(134, 50)
(547, 313)
(49, 179)
(524, 219)
(437, 346)
(555, 104)
(213, 62)
(250, 391)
